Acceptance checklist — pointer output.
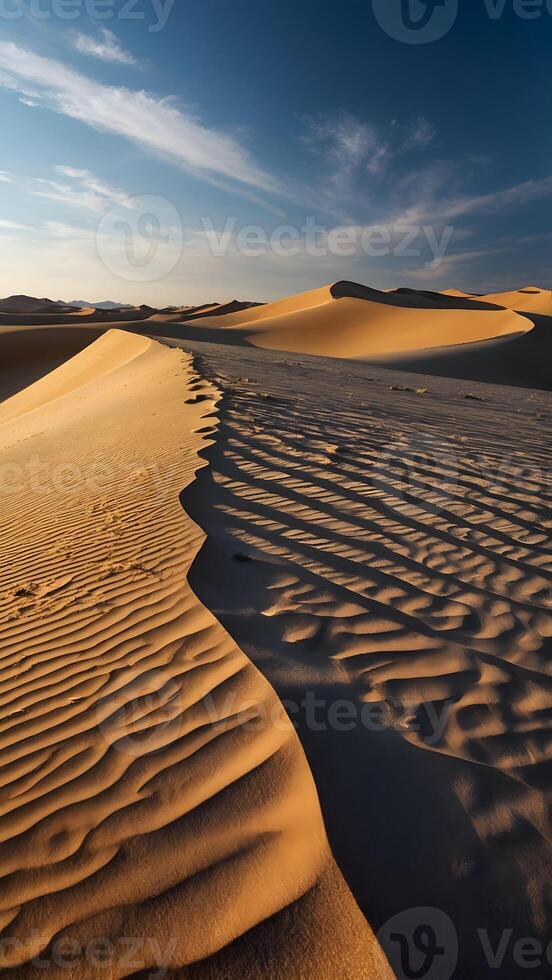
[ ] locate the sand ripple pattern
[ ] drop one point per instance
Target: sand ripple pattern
(398, 537)
(152, 790)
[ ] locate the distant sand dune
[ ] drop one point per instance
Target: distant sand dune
(347, 320)
(531, 299)
(151, 785)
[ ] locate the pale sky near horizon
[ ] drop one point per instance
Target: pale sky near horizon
(183, 152)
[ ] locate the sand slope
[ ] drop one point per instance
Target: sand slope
(347, 320)
(152, 786)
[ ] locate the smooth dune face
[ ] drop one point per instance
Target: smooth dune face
(152, 786)
(359, 328)
(313, 299)
(347, 326)
(459, 293)
(531, 299)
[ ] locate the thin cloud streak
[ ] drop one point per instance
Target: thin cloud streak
(108, 48)
(151, 122)
(13, 225)
(85, 191)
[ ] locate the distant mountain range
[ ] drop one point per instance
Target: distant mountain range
(106, 304)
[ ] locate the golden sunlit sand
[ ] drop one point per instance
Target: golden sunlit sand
(151, 780)
(346, 321)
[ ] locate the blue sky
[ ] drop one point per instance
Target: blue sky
(181, 152)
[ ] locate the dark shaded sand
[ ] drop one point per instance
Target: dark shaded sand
(27, 355)
(522, 361)
(388, 547)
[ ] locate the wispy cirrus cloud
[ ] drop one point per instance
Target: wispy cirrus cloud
(359, 160)
(420, 133)
(6, 178)
(437, 197)
(107, 47)
(348, 145)
(519, 194)
(345, 140)
(13, 225)
(154, 123)
(79, 189)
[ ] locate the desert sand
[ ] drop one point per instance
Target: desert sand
(204, 532)
(152, 785)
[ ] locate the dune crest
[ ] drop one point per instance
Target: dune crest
(151, 780)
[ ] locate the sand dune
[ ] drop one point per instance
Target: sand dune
(221, 309)
(516, 360)
(505, 338)
(449, 334)
(531, 299)
(29, 304)
(152, 785)
(347, 320)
